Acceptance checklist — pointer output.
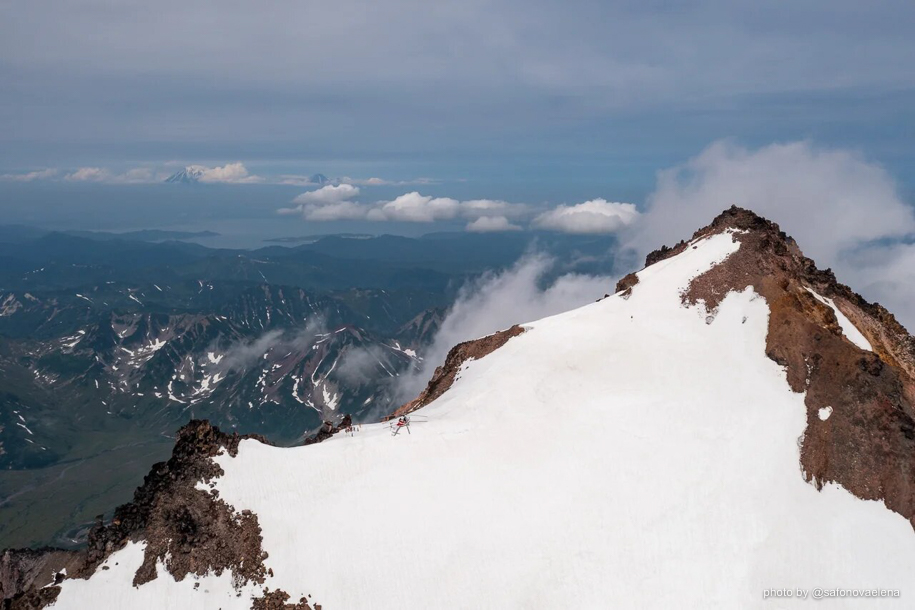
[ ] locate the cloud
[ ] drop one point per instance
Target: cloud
(359, 364)
(532, 65)
(366, 181)
(491, 224)
(844, 211)
(336, 202)
(497, 301)
(328, 194)
(383, 182)
(478, 208)
(415, 207)
(245, 353)
(229, 173)
(595, 216)
(300, 180)
(235, 173)
(328, 203)
(89, 174)
(139, 175)
(42, 174)
(344, 210)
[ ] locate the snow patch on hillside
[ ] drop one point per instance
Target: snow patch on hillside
(850, 331)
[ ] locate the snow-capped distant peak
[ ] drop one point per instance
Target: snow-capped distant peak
(189, 175)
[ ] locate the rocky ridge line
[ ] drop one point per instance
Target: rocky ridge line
(189, 530)
(860, 429)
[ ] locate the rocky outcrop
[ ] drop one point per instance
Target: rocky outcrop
(277, 600)
(328, 429)
(199, 531)
(624, 286)
(860, 404)
(35, 570)
(445, 375)
(190, 531)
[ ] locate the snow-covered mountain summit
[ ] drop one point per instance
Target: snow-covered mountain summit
(189, 175)
(732, 422)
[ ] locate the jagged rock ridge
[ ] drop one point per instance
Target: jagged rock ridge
(867, 442)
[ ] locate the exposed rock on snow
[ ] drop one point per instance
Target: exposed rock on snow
(624, 286)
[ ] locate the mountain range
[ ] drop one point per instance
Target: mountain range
(731, 424)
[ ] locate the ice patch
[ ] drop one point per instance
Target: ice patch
(850, 331)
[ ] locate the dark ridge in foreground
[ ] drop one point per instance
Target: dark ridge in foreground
(860, 404)
(190, 530)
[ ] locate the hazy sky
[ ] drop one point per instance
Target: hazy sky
(479, 115)
(497, 90)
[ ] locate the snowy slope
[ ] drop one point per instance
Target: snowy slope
(633, 453)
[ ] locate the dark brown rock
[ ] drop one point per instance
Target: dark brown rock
(624, 286)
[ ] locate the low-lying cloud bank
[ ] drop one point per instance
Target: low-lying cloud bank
(339, 202)
(40, 174)
(230, 173)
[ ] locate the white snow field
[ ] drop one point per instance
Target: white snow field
(627, 454)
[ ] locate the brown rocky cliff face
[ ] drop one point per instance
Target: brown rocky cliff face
(867, 442)
(31, 570)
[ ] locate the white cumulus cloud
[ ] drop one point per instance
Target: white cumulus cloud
(414, 207)
(328, 203)
(592, 217)
(491, 224)
(328, 194)
(230, 172)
